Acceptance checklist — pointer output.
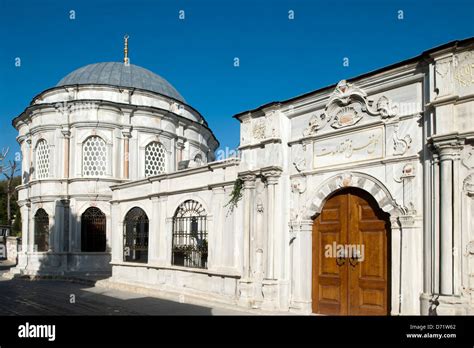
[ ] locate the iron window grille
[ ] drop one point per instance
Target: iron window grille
(42, 160)
(155, 159)
(94, 157)
(135, 237)
(41, 230)
(93, 236)
(190, 245)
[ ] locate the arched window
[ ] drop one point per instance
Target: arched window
(155, 159)
(94, 157)
(42, 159)
(198, 159)
(190, 235)
(93, 230)
(135, 246)
(41, 230)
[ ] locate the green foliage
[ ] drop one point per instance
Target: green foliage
(235, 196)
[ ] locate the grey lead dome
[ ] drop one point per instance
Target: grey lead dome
(118, 74)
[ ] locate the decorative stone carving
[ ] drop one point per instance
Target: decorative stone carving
(300, 158)
(258, 131)
(385, 108)
(464, 70)
(272, 122)
(468, 184)
(346, 116)
(344, 180)
(400, 145)
(315, 123)
(298, 185)
(468, 158)
(406, 179)
(346, 107)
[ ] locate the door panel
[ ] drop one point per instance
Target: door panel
(329, 279)
(368, 278)
(351, 218)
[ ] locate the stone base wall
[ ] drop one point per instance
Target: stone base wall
(12, 248)
(63, 263)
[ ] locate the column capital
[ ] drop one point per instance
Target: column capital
(248, 178)
(180, 143)
(127, 132)
(446, 147)
(271, 173)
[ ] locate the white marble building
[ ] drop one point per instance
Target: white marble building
(384, 162)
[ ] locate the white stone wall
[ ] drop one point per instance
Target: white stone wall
(159, 197)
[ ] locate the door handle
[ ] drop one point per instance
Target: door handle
(354, 259)
(341, 259)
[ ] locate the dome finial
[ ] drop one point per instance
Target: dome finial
(126, 60)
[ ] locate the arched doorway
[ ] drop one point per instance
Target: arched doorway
(93, 235)
(351, 256)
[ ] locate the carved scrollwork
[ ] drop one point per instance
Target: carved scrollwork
(315, 122)
(346, 106)
(385, 107)
(468, 185)
(400, 145)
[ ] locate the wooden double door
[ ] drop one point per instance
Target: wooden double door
(351, 256)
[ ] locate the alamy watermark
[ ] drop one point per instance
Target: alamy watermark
(345, 251)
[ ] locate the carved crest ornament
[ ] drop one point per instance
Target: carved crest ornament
(346, 107)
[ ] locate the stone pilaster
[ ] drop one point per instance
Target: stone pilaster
(66, 158)
(273, 235)
(301, 282)
(245, 284)
(126, 153)
(447, 299)
(448, 152)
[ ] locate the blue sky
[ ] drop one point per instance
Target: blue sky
(279, 58)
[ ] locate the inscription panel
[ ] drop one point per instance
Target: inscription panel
(349, 148)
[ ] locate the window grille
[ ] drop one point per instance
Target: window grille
(190, 246)
(94, 157)
(135, 247)
(155, 159)
(42, 159)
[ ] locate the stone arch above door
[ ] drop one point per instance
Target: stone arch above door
(353, 179)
